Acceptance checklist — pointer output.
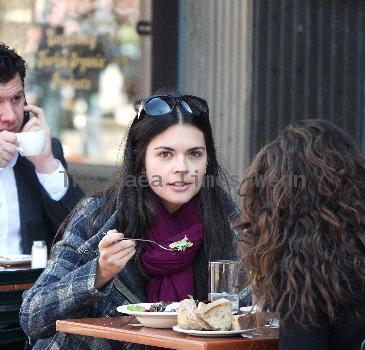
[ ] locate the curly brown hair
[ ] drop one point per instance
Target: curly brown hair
(302, 227)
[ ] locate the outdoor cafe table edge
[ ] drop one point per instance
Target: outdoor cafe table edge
(18, 277)
(120, 328)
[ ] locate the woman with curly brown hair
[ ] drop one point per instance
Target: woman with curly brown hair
(303, 235)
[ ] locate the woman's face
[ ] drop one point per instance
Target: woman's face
(175, 163)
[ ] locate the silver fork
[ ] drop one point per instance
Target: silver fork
(147, 240)
(150, 241)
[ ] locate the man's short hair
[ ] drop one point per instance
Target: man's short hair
(11, 64)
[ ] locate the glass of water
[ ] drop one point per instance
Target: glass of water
(223, 276)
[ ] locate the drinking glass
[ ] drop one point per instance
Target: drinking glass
(223, 276)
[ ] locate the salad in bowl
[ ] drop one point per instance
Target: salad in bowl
(154, 315)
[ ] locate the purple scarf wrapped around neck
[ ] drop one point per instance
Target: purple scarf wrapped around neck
(171, 273)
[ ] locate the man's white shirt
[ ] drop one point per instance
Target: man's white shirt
(54, 184)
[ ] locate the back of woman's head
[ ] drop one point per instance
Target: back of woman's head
(303, 233)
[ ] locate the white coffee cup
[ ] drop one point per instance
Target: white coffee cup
(31, 143)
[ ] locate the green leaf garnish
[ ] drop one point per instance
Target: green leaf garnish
(181, 245)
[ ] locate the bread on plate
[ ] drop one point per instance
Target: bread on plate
(213, 316)
(217, 314)
(188, 319)
(244, 321)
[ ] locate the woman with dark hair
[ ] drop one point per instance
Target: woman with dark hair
(170, 186)
(303, 235)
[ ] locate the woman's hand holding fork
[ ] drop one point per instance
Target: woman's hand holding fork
(114, 255)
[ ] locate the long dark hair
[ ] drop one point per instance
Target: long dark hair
(136, 204)
(303, 222)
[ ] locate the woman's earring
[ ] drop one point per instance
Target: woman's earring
(143, 172)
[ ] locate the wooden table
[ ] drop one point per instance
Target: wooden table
(127, 329)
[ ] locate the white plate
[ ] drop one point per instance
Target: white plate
(252, 309)
(11, 259)
(209, 333)
(152, 319)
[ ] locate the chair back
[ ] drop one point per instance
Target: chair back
(13, 282)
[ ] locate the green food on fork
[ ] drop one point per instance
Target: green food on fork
(181, 245)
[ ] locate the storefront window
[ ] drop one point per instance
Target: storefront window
(83, 58)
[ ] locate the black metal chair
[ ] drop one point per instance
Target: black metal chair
(11, 334)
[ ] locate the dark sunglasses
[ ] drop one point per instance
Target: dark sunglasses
(161, 105)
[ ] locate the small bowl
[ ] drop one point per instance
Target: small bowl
(152, 319)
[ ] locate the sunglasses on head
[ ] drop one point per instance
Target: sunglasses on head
(161, 105)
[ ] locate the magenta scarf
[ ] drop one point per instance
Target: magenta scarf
(171, 273)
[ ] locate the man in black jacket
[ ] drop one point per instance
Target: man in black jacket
(36, 194)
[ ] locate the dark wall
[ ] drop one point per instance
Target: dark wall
(164, 44)
(308, 62)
